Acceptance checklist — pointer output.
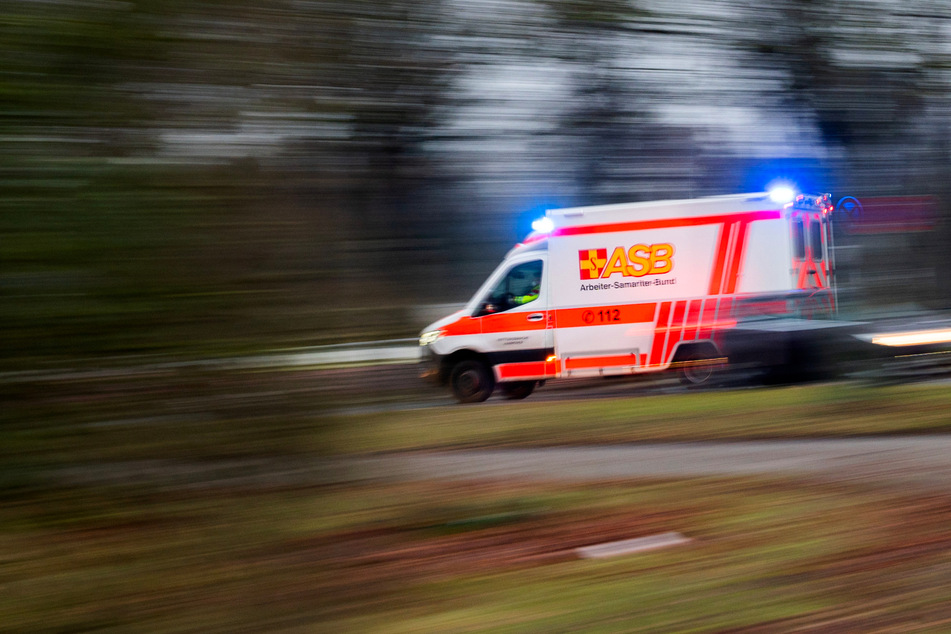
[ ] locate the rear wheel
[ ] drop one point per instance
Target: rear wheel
(697, 369)
(517, 390)
(696, 372)
(471, 381)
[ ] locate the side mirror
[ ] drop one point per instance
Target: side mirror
(488, 308)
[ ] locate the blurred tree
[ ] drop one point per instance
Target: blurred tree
(859, 69)
(179, 174)
(397, 75)
(873, 77)
(607, 114)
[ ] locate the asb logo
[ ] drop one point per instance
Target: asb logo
(592, 263)
(637, 261)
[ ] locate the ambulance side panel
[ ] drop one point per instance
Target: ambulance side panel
(766, 266)
(608, 302)
(613, 314)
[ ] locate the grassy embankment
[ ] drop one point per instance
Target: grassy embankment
(789, 412)
(266, 555)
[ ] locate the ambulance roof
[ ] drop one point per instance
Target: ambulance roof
(655, 210)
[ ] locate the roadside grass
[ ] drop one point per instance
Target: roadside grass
(200, 415)
(826, 410)
(766, 554)
(187, 553)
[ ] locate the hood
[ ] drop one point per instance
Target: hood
(445, 321)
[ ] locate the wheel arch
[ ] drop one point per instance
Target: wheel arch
(464, 354)
(696, 362)
(691, 350)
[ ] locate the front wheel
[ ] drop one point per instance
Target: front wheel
(517, 390)
(471, 381)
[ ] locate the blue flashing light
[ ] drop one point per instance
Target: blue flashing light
(782, 194)
(543, 225)
(802, 174)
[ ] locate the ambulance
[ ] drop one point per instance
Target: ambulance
(636, 288)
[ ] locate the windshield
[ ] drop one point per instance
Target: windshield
(520, 286)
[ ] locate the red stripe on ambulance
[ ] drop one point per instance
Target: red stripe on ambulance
(739, 248)
(693, 320)
(584, 363)
(605, 315)
(667, 223)
(675, 332)
(720, 258)
(527, 370)
(660, 333)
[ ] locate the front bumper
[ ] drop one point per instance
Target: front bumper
(430, 366)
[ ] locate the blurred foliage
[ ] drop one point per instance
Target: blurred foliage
(195, 177)
(765, 555)
(176, 496)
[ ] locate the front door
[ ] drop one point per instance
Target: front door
(515, 325)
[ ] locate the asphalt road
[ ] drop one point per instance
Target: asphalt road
(918, 460)
(913, 461)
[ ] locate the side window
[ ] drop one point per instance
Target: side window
(799, 239)
(520, 286)
(815, 239)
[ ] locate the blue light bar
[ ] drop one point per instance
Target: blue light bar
(782, 194)
(543, 225)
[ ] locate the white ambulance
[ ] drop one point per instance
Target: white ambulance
(635, 288)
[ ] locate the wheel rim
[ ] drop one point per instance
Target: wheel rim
(698, 371)
(469, 383)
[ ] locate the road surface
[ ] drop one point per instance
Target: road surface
(919, 461)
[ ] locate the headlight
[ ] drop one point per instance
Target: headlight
(429, 337)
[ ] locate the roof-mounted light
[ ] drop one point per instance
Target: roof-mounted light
(782, 194)
(543, 225)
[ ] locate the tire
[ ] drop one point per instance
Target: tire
(471, 381)
(696, 370)
(517, 390)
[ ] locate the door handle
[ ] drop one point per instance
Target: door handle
(536, 317)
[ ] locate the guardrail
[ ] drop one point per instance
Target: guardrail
(392, 351)
(367, 352)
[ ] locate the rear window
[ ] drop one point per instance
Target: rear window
(799, 240)
(815, 239)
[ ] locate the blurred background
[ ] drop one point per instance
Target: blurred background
(215, 177)
(188, 181)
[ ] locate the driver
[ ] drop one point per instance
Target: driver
(532, 294)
